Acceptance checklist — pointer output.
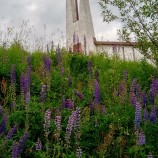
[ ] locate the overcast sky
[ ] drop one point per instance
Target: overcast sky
(48, 17)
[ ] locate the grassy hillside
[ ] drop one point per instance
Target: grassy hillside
(58, 104)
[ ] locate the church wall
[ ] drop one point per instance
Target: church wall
(123, 52)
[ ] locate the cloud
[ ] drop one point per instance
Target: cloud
(52, 13)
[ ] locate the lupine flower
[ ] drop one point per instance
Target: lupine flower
(27, 98)
(97, 92)
(22, 142)
(43, 93)
(97, 75)
(153, 114)
(70, 125)
(85, 43)
(25, 86)
(137, 120)
(91, 108)
(138, 90)
(153, 90)
(120, 89)
(90, 68)
(59, 56)
(3, 124)
(11, 133)
(69, 103)
(69, 81)
(47, 117)
(133, 99)
(80, 96)
(47, 64)
(38, 145)
(144, 100)
(141, 138)
(58, 122)
(77, 119)
(146, 115)
(79, 153)
(15, 150)
(133, 86)
(62, 71)
(150, 156)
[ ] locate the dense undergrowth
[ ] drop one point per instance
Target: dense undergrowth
(58, 104)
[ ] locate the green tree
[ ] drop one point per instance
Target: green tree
(139, 19)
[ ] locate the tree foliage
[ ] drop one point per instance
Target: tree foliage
(139, 19)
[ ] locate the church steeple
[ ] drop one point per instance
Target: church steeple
(79, 23)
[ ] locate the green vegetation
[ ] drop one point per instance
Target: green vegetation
(63, 105)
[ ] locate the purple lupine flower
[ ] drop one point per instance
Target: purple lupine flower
(59, 56)
(141, 138)
(90, 68)
(69, 81)
(91, 108)
(38, 145)
(125, 75)
(47, 117)
(27, 98)
(85, 43)
(12, 75)
(77, 119)
(133, 86)
(11, 132)
(47, 64)
(138, 119)
(146, 115)
(153, 114)
(58, 122)
(97, 92)
(67, 103)
(97, 75)
(138, 90)
(144, 100)
(70, 125)
(3, 124)
(150, 156)
(15, 150)
(133, 99)
(79, 152)
(22, 142)
(62, 71)
(120, 89)
(153, 91)
(80, 95)
(43, 94)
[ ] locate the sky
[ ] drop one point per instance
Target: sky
(47, 19)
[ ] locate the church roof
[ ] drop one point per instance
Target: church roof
(114, 43)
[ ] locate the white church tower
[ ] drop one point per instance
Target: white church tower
(79, 24)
